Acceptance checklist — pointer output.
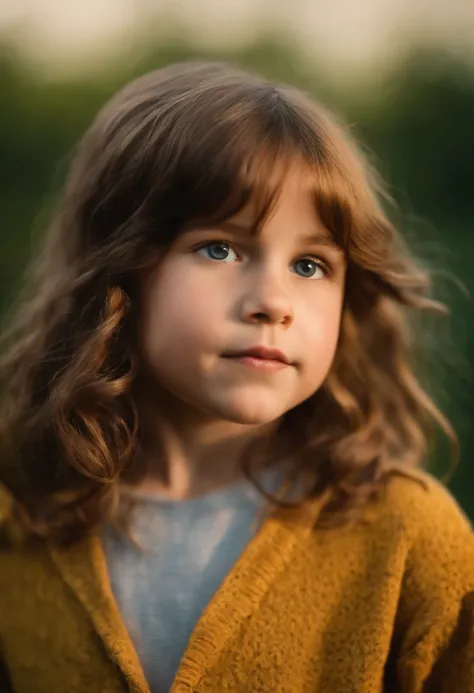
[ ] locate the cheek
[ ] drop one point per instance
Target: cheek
(179, 313)
(320, 334)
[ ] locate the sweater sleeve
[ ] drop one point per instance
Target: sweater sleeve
(435, 621)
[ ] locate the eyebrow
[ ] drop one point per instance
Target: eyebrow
(316, 237)
(321, 238)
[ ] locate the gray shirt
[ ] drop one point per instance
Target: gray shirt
(189, 548)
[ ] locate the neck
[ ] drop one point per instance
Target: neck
(186, 454)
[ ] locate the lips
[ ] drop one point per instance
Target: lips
(259, 352)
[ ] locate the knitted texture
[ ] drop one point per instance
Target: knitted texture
(370, 608)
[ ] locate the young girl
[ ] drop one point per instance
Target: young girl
(212, 432)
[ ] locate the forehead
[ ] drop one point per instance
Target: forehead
(293, 195)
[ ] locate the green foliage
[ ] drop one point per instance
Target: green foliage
(417, 123)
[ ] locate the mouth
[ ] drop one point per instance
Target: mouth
(260, 358)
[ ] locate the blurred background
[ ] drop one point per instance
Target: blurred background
(401, 73)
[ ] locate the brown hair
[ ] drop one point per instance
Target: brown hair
(196, 142)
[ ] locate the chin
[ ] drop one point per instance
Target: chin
(251, 413)
(251, 418)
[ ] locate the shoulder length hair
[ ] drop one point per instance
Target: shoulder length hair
(189, 144)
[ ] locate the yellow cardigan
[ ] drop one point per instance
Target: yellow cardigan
(363, 609)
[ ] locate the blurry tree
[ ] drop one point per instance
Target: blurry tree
(417, 122)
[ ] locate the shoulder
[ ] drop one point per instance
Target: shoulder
(438, 536)
(423, 506)
(433, 627)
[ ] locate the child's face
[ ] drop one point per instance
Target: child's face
(219, 292)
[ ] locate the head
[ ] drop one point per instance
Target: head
(207, 213)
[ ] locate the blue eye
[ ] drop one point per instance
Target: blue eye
(308, 268)
(218, 251)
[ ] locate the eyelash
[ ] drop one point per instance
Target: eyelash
(324, 266)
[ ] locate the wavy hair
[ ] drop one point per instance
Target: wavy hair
(195, 143)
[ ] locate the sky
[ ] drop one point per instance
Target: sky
(351, 34)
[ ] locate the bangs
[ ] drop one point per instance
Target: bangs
(197, 146)
(238, 157)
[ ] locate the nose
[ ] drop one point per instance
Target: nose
(267, 302)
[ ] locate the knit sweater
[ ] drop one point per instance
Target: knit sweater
(368, 608)
(185, 550)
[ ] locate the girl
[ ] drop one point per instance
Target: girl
(211, 427)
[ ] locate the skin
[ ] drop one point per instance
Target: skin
(281, 289)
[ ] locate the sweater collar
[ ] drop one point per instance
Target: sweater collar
(83, 567)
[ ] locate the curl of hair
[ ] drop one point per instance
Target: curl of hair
(79, 413)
